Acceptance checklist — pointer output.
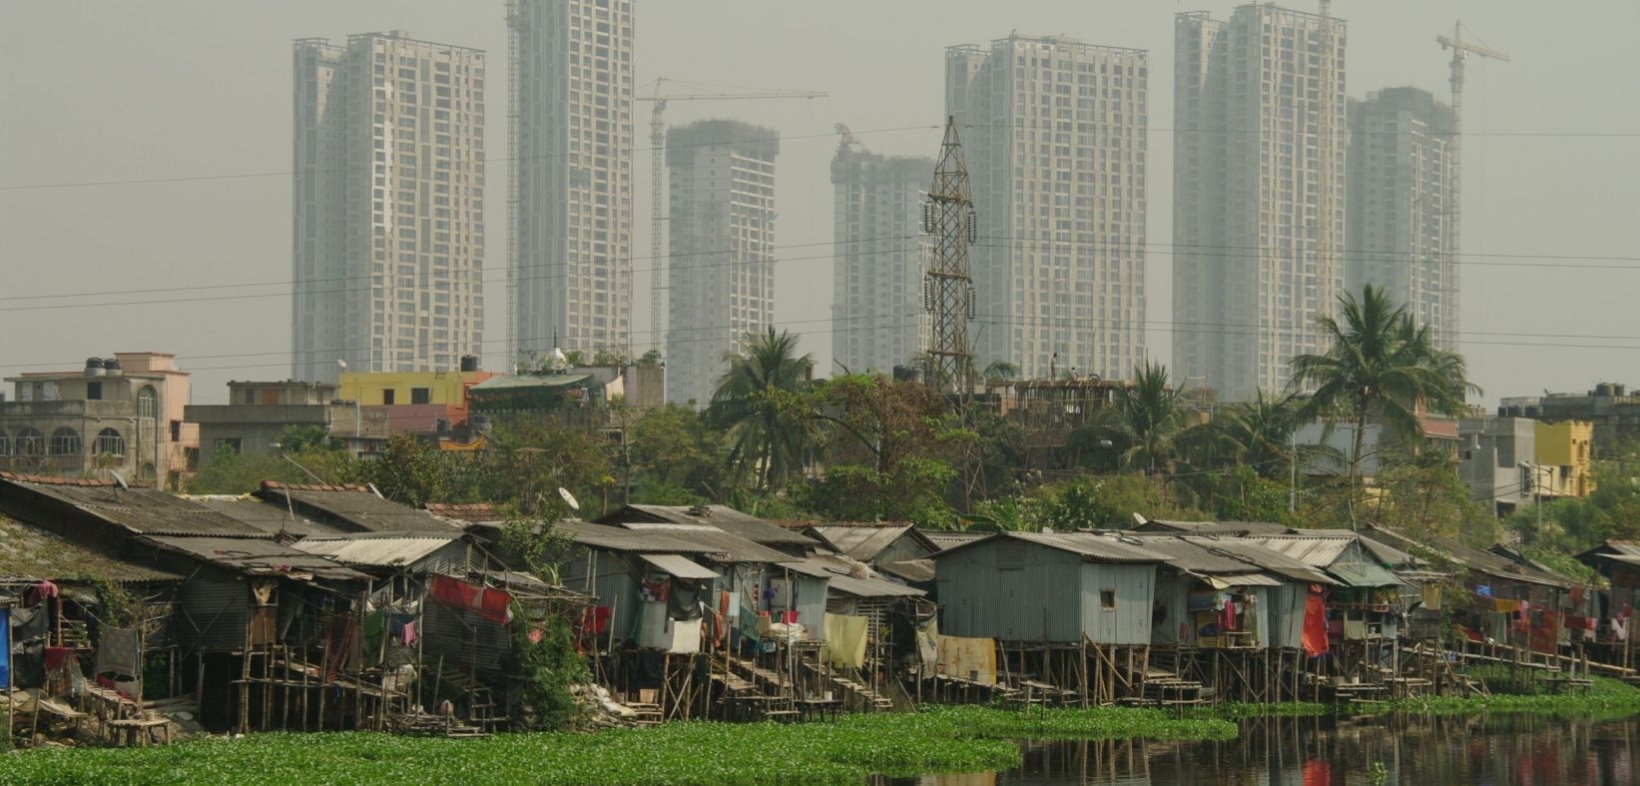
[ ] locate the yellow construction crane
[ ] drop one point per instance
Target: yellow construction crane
(657, 175)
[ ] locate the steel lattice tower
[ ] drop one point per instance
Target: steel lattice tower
(948, 290)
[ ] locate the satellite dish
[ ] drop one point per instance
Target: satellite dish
(569, 499)
(119, 480)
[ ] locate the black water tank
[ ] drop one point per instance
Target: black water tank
(469, 362)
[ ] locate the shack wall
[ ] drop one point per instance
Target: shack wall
(1011, 590)
(608, 577)
(215, 608)
(1287, 615)
(1127, 622)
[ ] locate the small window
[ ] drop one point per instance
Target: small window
(1107, 599)
(176, 431)
(65, 442)
(93, 391)
(421, 395)
(110, 443)
(387, 397)
(30, 442)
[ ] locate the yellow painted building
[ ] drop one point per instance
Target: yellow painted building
(411, 387)
(1563, 460)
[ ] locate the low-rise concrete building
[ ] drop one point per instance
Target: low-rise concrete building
(124, 413)
(1511, 461)
(258, 413)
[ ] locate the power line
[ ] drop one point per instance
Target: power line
(996, 243)
(1079, 128)
(832, 134)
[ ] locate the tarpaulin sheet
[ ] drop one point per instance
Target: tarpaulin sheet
(119, 652)
(491, 604)
(845, 643)
(5, 648)
(1314, 637)
(967, 658)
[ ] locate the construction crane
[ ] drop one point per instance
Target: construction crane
(1461, 50)
(657, 174)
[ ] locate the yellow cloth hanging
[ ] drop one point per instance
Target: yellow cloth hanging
(1431, 594)
(845, 643)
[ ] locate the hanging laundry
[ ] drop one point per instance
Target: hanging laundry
(488, 603)
(1431, 596)
(39, 592)
(29, 624)
(119, 652)
(56, 657)
(1229, 615)
(845, 643)
(408, 634)
(1314, 635)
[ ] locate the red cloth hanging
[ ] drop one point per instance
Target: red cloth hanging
(1314, 637)
(488, 603)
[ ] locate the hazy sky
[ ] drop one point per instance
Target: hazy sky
(194, 97)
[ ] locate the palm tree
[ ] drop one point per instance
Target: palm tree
(763, 402)
(1000, 371)
(1144, 421)
(1259, 433)
(1379, 365)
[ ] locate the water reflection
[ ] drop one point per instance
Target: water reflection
(1416, 751)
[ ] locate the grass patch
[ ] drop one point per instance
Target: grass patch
(936, 740)
(1606, 698)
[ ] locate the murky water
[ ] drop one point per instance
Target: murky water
(1494, 749)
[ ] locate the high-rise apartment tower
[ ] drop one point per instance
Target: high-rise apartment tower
(570, 210)
(878, 317)
(1258, 187)
(388, 229)
(1401, 200)
(722, 250)
(1054, 134)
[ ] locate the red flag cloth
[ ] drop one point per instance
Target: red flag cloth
(1314, 636)
(486, 602)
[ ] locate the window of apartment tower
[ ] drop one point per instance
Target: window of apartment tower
(387, 397)
(176, 431)
(93, 391)
(421, 395)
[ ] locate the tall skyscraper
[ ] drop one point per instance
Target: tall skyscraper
(1401, 199)
(1258, 193)
(570, 210)
(721, 249)
(388, 229)
(878, 318)
(1054, 134)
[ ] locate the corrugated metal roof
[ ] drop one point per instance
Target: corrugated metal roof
(1271, 562)
(256, 557)
(376, 551)
(28, 553)
(1473, 559)
(266, 516)
(946, 540)
(1242, 580)
(918, 570)
(851, 578)
(724, 518)
(607, 538)
(1212, 527)
(1317, 552)
(1091, 547)
(138, 510)
(356, 508)
(862, 542)
(679, 566)
(1363, 574)
(720, 545)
